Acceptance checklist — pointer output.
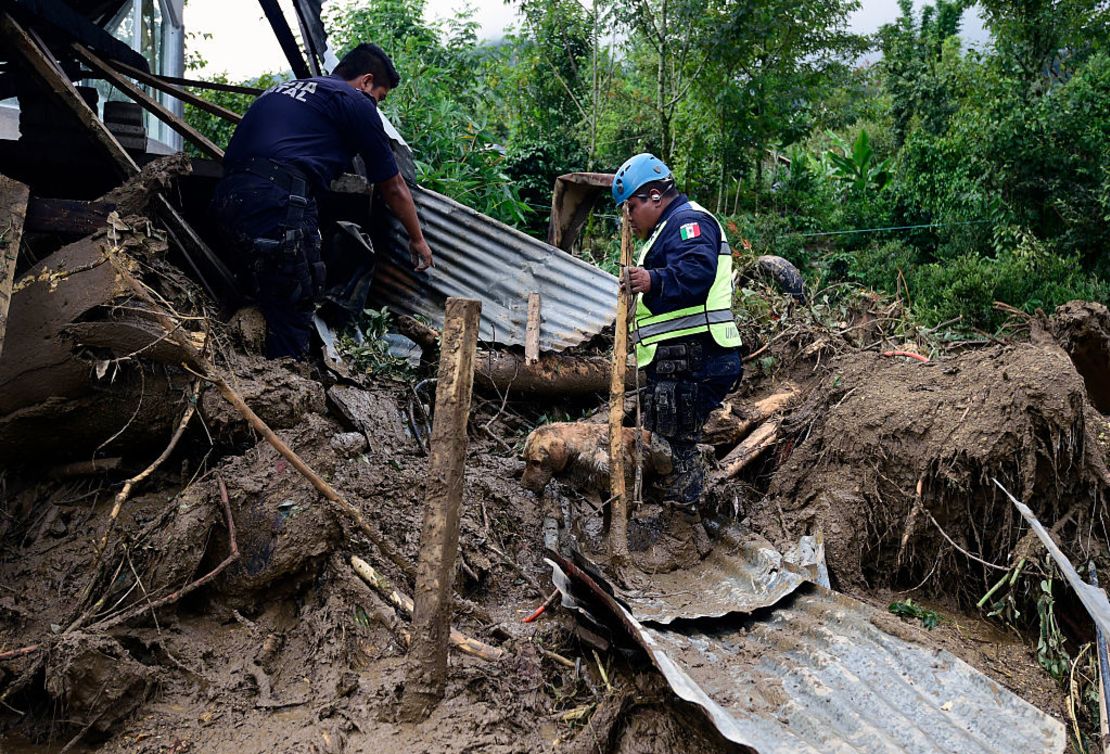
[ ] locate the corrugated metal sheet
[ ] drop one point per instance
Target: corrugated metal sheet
(816, 674)
(740, 578)
(477, 257)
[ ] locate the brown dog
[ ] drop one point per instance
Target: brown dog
(578, 452)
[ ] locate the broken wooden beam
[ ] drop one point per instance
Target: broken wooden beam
(165, 84)
(48, 73)
(13, 211)
(426, 678)
(45, 68)
(148, 103)
(733, 422)
(285, 38)
(66, 217)
(763, 437)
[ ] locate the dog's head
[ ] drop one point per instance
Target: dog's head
(545, 455)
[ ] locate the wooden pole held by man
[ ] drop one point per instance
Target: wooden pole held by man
(618, 524)
(426, 676)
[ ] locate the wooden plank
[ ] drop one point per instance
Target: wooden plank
(426, 677)
(618, 531)
(45, 69)
(148, 103)
(160, 84)
(13, 210)
(532, 332)
(215, 86)
(69, 217)
(285, 38)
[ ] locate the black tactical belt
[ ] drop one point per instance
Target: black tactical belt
(679, 358)
(282, 175)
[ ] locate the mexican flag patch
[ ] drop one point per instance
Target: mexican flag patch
(689, 230)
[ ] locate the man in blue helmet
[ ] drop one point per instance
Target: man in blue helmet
(685, 337)
(293, 141)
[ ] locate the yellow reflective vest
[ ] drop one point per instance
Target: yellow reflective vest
(648, 328)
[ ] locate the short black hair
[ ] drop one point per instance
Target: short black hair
(368, 58)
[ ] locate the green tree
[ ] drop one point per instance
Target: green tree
(449, 102)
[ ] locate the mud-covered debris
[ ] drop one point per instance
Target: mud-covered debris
(376, 414)
(95, 680)
(349, 444)
(870, 432)
(133, 196)
(285, 528)
(280, 393)
(174, 544)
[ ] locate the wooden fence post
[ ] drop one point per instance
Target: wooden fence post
(426, 676)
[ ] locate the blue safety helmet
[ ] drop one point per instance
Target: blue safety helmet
(635, 172)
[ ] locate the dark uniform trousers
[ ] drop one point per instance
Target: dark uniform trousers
(275, 255)
(685, 383)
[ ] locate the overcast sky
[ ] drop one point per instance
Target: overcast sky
(242, 45)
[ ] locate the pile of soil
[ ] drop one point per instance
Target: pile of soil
(890, 458)
(287, 650)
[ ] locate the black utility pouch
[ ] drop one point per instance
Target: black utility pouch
(687, 410)
(666, 408)
(672, 359)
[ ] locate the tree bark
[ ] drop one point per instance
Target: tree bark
(426, 678)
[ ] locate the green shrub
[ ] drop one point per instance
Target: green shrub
(1029, 276)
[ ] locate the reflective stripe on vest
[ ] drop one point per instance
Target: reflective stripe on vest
(714, 316)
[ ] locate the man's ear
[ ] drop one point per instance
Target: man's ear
(655, 196)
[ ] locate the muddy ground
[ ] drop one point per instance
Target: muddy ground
(287, 651)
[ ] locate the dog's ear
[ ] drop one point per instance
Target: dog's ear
(557, 454)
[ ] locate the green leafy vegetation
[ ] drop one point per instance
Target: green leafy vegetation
(370, 354)
(907, 608)
(947, 177)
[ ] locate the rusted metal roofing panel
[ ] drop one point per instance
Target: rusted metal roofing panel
(478, 257)
(815, 673)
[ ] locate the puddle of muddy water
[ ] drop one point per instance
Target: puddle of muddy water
(20, 745)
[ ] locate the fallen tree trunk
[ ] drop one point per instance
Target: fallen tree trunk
(552, 374)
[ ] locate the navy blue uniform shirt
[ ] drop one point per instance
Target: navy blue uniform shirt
(682, 270)
(317, 125)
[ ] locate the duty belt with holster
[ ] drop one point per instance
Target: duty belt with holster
(671, 404)
(292, 247)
